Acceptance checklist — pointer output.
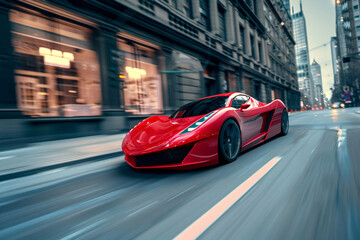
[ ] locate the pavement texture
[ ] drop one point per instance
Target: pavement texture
(313, 192)
(46, 155)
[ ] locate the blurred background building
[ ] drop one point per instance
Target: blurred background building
(306, 83)
(318, 86)
(335, 59)
(82, 67)
(347, 89)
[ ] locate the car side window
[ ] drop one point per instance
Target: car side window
(238, 100)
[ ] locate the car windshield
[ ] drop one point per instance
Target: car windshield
(200, 107)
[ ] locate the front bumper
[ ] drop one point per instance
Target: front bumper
(201, 154)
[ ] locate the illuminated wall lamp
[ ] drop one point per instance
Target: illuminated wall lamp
(57, 58)
(135, 73)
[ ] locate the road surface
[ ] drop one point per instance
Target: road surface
(307, 187)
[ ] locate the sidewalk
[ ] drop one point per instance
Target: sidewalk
(58, 153)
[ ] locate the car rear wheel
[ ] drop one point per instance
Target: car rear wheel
(229, 141)
(284, 122)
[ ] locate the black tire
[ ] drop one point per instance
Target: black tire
(229, 141)
(284, 122)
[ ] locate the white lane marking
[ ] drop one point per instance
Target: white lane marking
(180, 193)
(142, 208)
(207, 219)
(341, 137)
(5, 157)
(343, 154)
(313, 150)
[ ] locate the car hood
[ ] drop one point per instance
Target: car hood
(158, 129)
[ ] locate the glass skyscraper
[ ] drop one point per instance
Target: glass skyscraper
(306, 84)
(318, 86)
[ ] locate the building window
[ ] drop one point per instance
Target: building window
(357, 28)
(204, 13)
(357, 18)
(272, 94)
(142, 82)
(56, 71)
(252, 42)
(188, 8)
(260, 51)
(222, 23)
(356, 7)
(242, 35)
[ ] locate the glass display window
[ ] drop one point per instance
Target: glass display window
(57, 71)
(142, 82)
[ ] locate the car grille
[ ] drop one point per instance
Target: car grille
(175, 155)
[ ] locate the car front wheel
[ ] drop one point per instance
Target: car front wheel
(229, 141)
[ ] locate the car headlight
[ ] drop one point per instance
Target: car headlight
(198, 123)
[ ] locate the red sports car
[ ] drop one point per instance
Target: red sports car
(205, 132)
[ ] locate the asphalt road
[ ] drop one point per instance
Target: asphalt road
(312, 192)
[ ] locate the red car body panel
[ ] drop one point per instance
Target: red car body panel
(160, 134)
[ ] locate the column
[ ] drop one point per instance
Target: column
(247, 43)
(256, 47)
(264, 52)
(263, 92)
(180, 5)
(196, 10)
(109, 69)
(167, 86)
(230, 31)
(8, 101)
(214, 19)
(237, 28)
(260, 10)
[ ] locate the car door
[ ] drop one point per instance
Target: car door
(251, 119)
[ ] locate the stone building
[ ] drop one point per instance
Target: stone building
(101, 66)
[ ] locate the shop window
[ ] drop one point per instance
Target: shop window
(142, 82)
(56, 72)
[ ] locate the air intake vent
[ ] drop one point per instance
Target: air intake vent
(175, 155)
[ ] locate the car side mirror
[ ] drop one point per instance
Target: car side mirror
(244, 106)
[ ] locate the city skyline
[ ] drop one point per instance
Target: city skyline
(320, 23)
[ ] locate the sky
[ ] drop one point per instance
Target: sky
(320, 24)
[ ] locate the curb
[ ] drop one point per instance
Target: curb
(29, 172)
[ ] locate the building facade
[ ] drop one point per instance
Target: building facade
(306, 83)
(92, 66)
(348, 39)
(318, 86)
(335, 60)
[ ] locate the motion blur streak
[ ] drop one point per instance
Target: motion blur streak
(313, 192)
(206, 220)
